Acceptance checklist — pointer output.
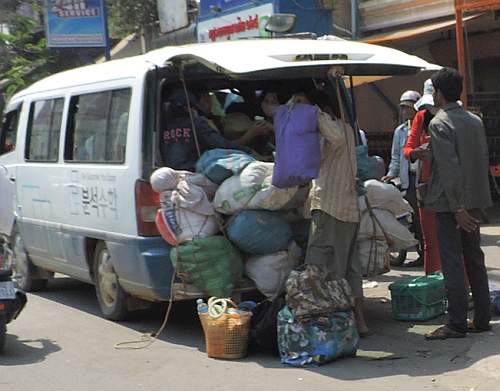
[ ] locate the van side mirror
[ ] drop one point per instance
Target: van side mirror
(173, 15)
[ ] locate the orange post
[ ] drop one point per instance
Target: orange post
(461, 47)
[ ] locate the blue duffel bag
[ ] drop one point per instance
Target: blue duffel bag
(220, 164)
(319, 340)
(259, 232)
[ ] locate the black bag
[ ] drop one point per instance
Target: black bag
(264, 326)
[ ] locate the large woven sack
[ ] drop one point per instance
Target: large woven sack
(374, 257)
(298, 152)
(220, 164)
(382, 225)
(212, 264)
(259, 232)
(385, 196)
(252, 189)
(313, 291)
(270, 271)
(320, 340)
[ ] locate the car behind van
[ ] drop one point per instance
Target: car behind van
(77, 150)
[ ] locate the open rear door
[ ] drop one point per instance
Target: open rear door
(297, 58)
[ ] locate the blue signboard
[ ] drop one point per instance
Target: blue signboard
(76, 23)
(213, 7)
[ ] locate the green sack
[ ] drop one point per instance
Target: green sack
(212, 264)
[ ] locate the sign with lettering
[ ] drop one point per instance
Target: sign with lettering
(75, 23)
(242, 24)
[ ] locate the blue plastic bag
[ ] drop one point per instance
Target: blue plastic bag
(320, 340)
(259, 232)
(369, 167)
(298, 152)
(220, 164)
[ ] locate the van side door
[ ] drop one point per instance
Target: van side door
(8, 137)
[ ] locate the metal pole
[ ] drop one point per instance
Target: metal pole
(354, 19)
(107, 48)
(459, 32)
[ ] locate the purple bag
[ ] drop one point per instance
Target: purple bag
(298, 153)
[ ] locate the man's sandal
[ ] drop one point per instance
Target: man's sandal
(444, 332)
(472, 328)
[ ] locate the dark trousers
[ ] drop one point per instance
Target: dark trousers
(458, 247)
(411, 197)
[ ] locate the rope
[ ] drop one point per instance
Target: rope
(148, 339)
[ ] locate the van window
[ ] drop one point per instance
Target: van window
(44, 128)
(97, 127)
(8, 133)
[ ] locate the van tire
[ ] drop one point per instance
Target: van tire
(113, 300)
(3, 331)
(25, 272)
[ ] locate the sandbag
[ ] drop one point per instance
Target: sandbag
(374, 257)
(259, 232)
(298, 152)
(270, 272)
(369, 167)
(318, 341)
(220, 164)
(212, 264)
(385, 196)
(252, 189)
(398, 236)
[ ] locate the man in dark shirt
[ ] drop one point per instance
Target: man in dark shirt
(180, 143)
(457, 190)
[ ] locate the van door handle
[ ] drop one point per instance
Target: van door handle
(12, 179)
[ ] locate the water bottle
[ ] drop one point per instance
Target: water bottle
(201, 306)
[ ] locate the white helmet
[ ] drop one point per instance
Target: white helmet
(409, 98)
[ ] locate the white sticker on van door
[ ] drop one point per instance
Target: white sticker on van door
(93, 195)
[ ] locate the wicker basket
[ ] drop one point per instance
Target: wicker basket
(226, 336)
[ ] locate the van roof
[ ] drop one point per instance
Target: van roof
(249, 57)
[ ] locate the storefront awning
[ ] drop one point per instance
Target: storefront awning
(385, 38)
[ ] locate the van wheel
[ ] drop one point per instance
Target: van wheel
(111, 296)
(23, 269)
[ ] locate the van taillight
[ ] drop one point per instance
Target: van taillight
(147, 203)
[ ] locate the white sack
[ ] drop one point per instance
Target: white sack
(385, 196)
(252, 189)
(399, 236)
(270, 272)
(195, 225)
(374, 257)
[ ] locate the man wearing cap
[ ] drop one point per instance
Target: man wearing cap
(400, 166)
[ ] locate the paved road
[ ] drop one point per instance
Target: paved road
(61, 343)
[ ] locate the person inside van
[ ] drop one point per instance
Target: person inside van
(180, 143)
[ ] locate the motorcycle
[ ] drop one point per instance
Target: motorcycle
(12, 299)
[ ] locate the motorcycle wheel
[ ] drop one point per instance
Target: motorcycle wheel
(397, 259)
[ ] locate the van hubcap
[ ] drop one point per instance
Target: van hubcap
(20, 261)
(107, 279)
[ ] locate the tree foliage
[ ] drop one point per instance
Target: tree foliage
(129, 16)
(24, 56)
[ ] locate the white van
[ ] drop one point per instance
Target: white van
(77, 149)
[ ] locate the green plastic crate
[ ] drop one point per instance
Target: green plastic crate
(418, 299)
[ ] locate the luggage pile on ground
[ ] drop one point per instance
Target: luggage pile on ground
(317, 324)
(380, 230)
